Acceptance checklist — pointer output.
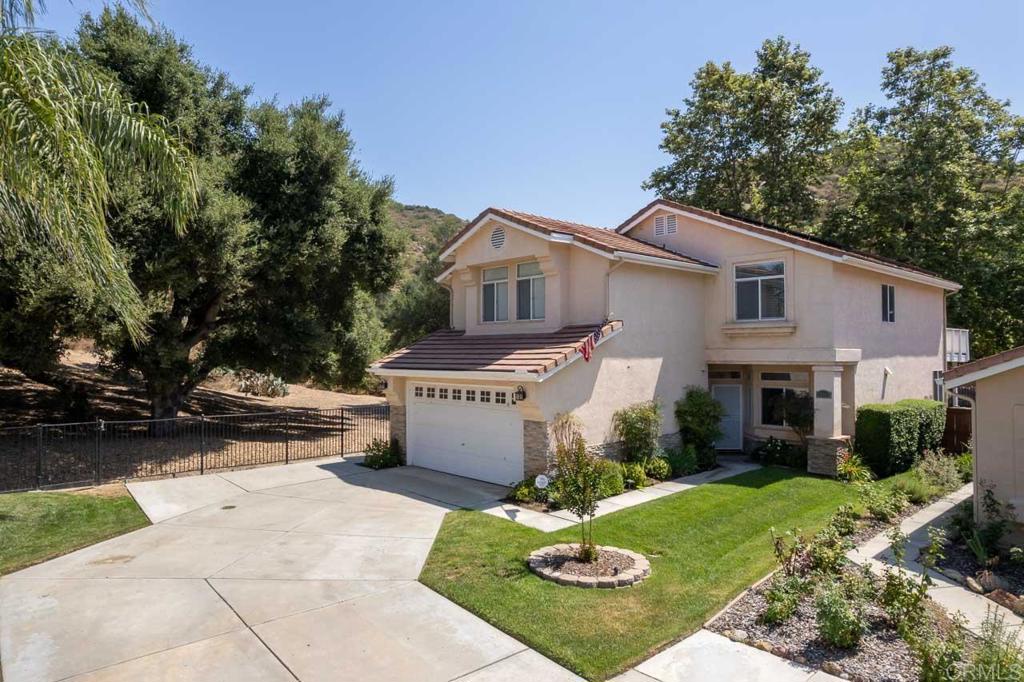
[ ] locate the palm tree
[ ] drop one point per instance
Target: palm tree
(65, 131)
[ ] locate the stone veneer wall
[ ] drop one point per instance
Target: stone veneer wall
(536, 448)
(396, 421)
(823, 454)
(613, 449)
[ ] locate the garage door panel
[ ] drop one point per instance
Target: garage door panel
(478, 441)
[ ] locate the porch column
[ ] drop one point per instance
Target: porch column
(824, 446)
(828, 401)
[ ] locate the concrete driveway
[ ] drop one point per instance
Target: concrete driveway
(306, 571)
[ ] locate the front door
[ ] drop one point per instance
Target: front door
(731, 398)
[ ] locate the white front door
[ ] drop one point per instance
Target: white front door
(471, 431)
(731, 398)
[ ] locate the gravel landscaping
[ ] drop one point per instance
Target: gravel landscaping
(881, 655)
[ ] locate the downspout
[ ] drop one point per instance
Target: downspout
(608, 289)
(945, 325)
(451, 305)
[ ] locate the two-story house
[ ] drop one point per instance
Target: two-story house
(550, 316)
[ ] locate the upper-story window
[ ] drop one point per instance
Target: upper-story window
(529, 292)
(664, 224)
(761, 291)
(495, 295)
(888, 303)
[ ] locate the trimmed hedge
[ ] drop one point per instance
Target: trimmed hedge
(892, 437)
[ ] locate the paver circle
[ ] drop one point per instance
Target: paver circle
(547, 563)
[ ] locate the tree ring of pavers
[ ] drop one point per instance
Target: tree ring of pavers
(540, 563)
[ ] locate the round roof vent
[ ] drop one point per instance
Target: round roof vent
(498, 237)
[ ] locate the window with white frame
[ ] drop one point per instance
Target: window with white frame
(485, 396)
(761, 291)
(456, 394)
(888, 303)
(495, 294)
(431, 392)
(418, 391)
(470, 395)
(529, 292)
(664, 224)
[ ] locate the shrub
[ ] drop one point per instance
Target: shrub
(579, 480)
(851, 468)
(916, 489)
(380, 454)
(698, 415)
(902, 596)
(841, 620)
(996, 521)
(965, 465)
(940, 471)
(259, 384)
(931, 421)
(527, 491)
(940, 656)
(776, 451)
(634, 475)
(791, 552)
(658, 468)
(683, 460)
(783, 596)
(891, 437)
(999, 655)
(827, 550)
(638, 426)
(612, 482)
(882, 502)
(844, 521)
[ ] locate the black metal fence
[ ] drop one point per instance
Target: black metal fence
(52, 455)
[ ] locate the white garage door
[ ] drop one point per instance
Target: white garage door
(472, 431)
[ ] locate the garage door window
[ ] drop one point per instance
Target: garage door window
(481, 396)
(456, 394)
(485, 396)
(470, 395)
(418, 391)
(431, 392)
(500, 397)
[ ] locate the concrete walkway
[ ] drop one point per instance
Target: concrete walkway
(706, 656)
(950, 594)
(299, 572)
(551, 521)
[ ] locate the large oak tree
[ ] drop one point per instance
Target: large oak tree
(289, 241)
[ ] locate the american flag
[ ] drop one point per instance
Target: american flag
(587, 349)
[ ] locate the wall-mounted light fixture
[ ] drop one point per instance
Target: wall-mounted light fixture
(383, 384)
(520, 394)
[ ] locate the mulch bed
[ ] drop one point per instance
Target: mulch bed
(608, 563)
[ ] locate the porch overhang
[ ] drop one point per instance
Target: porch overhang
(781, 356)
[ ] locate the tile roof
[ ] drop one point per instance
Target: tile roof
(600, 238)
(533, 353)
(792, 236)
(984, 363)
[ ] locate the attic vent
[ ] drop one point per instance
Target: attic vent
(498, 237)
(664, 224)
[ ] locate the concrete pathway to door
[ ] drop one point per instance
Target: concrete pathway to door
(299, 572)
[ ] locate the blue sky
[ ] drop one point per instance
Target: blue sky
(551, 106)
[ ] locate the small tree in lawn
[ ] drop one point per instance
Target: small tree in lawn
(579, 479)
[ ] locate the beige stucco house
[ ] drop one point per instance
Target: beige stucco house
(997, 423)
(675, 296)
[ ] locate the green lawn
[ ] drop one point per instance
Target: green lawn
(705, 546)
(35, 527)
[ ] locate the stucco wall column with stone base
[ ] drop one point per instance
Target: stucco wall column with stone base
(536, 448)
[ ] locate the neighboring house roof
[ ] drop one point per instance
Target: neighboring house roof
(529, 357)
(799, 240)
(985, 367)
(606, 241)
